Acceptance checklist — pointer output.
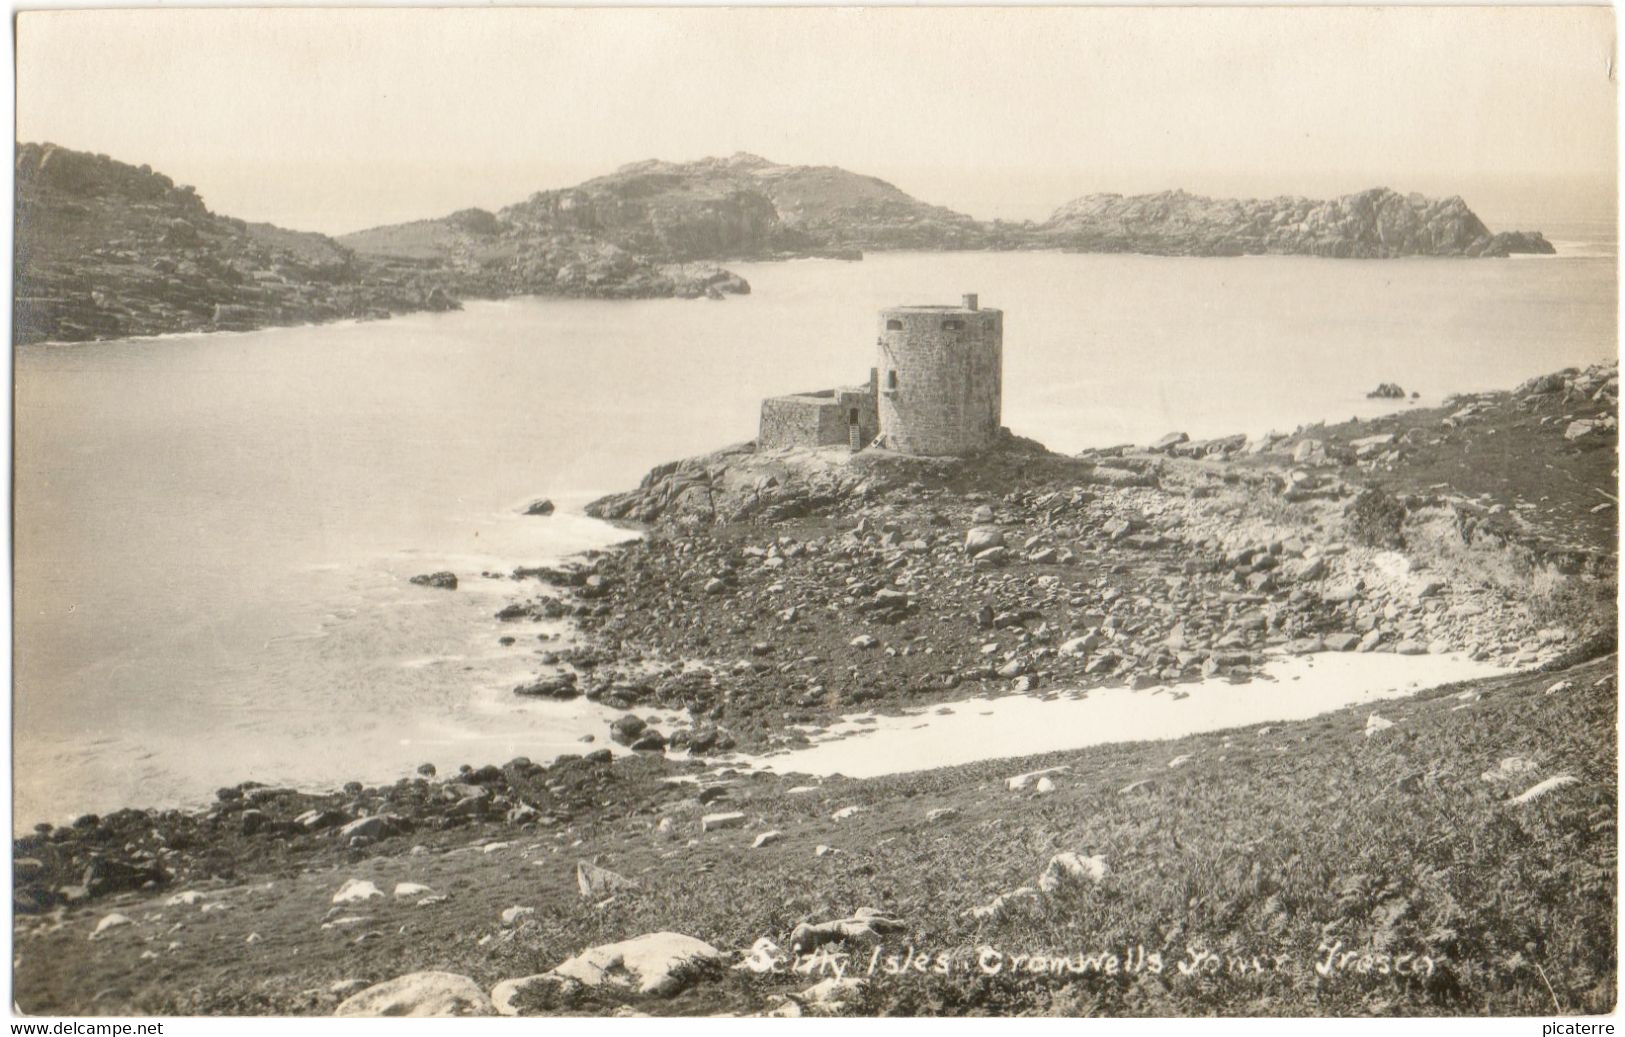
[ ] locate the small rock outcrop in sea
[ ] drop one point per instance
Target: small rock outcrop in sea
(539, 506)
(1386, 391)
(557, 686)
(446, 581)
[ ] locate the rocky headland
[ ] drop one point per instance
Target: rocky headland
(775, 591)
(110, 250)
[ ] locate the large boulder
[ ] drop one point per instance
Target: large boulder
(653, 965)
(356, 890)
(627, 728)
(1021, 781)
(104, 875)
(375, 827)
(1082, 645)
(649, 741)
(1543, 384)
(1072, 869)
(527, 995)
(980, 538)
(832, 996)
(656, 963)
(556, 686)
(110, 922)
(419, 995)
(991, 557)
(1578, 430)
(1309, 452)
(866, 926)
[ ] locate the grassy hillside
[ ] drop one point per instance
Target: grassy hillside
(1273, 843)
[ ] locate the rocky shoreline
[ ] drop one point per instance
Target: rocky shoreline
(775, 592)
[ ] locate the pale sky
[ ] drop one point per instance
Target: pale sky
(335, 120)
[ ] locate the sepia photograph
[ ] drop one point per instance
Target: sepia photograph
(814, 512)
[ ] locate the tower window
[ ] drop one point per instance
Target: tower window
(894, 325)
(891, 380)
(952, 325)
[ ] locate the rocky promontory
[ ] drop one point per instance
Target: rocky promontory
(778, 586)
(489, 255)
(109, 250)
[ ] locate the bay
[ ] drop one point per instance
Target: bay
(214, 533)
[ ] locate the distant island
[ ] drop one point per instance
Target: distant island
(1374, 224)
(109, 250)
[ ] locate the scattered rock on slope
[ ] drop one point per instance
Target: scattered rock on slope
(417, 995)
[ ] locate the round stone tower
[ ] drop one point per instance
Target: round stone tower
(939, 378)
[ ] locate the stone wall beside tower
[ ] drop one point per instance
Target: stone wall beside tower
(828, 417)
(940, 378)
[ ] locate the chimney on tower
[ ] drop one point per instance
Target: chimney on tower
(970, 300)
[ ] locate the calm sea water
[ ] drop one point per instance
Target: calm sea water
(214, 533)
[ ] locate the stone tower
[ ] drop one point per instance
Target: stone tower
(939, 378)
